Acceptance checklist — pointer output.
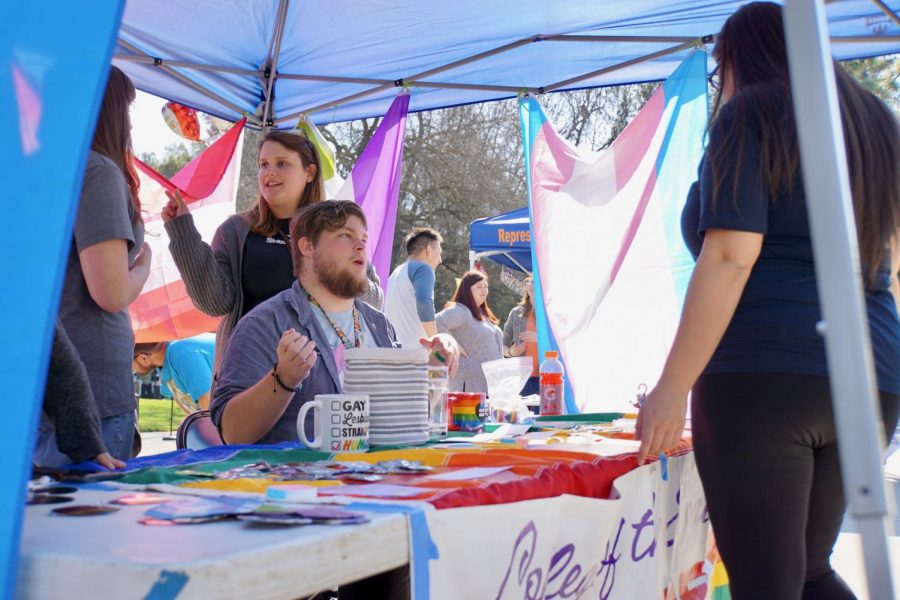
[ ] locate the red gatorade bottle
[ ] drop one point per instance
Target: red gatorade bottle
(552, 384)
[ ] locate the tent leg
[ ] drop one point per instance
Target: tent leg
(171, 436)
(856, 412)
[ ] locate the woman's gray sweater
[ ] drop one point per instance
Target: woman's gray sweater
(482, 341)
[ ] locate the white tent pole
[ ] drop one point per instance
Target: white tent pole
(887, 10)
(271, 67)
(429, 72)
(387, 83)
(682, 46)
(515, 262)
(856, 412)
(185, 64)
(620, 39)
(191, 84)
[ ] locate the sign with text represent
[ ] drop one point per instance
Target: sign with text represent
(652, 541)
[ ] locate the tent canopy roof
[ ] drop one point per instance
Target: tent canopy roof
(339, 60)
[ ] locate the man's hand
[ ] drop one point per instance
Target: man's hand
(443, 351)
(106, 460)
(296, 357)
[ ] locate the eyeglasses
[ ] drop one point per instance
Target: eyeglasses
(713, 79)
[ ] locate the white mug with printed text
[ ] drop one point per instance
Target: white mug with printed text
(341, 423)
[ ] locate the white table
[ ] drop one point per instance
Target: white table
(113, 555)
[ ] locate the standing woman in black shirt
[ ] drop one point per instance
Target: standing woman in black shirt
(747, 347)
(249, 260)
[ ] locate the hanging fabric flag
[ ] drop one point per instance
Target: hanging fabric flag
(374, 183)
(333, 182)
(611, 269)
(182, 120)
(164, 311)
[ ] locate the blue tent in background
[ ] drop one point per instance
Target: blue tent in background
(505, 239)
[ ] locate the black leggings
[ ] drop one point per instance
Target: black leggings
(766, 451)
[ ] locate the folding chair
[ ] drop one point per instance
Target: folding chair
(197, 431)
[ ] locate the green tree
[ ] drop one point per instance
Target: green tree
(465, 163)
(879, 75)
(176, 156)
(173, 158)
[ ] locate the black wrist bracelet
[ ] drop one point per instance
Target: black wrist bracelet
(281, 383)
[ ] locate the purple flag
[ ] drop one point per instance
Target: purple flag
(374, 183)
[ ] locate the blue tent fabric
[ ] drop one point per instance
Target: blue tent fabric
(49, 99)
(387, 41)
(509, 234)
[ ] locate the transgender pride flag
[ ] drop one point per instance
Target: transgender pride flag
(611, 268)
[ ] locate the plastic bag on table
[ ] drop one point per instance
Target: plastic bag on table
(505, 379)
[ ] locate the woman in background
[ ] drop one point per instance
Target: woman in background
(520, 336)
(107, 267)
(747, 345)
(469, 319)
(249, 260)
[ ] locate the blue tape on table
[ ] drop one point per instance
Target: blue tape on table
(168, 586)
(664, 465)
(422, 547)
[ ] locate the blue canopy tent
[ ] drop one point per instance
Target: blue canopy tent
(504, 239)
(339, 60)
(336, 60)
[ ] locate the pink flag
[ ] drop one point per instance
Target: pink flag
(164, 311)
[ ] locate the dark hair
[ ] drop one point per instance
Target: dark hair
(463, 295)
(260, 217)
(316, 218)
(526, 303)
(112, 135)
(751, 49)
(148, 348)
(420, 238)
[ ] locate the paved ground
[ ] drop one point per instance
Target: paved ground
(153, 443)
(847, 558)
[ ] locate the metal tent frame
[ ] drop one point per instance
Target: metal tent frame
(263, 115)
(833, 228)
(825, 175)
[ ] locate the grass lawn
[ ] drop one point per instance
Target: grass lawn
(154, 415)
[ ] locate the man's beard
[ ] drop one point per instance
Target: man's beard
(343, 283)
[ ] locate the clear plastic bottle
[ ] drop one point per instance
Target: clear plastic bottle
(553, 387)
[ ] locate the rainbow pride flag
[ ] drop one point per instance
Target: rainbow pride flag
(611, 269)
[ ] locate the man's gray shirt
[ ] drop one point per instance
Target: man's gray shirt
(253, 350)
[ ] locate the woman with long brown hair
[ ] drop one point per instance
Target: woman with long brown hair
(520, 336)
(748, 347)
(107, 267)
(249, 260)
(470, 321)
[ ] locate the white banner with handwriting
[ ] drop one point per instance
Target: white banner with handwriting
(652, 541)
